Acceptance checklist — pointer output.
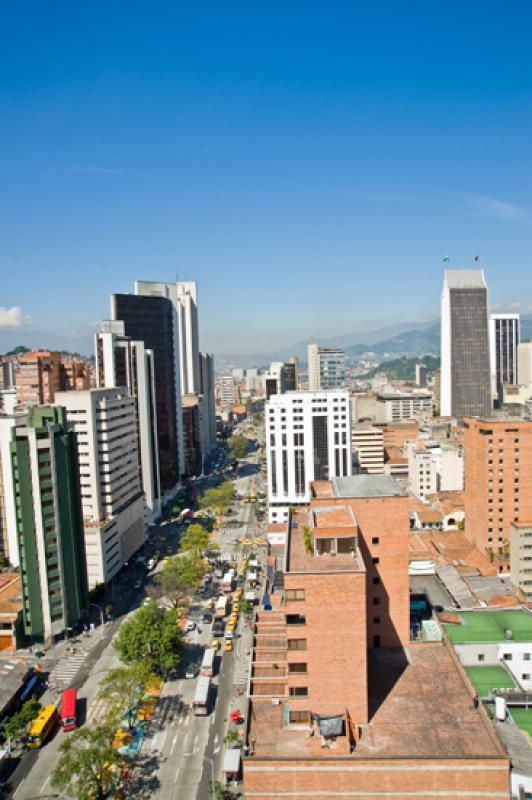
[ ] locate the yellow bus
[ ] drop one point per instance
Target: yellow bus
(42, 726)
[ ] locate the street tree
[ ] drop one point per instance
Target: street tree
(121, 689)
(238, 445)
(181, 575)
(17, 725)
(195, 540)
(151, 635)
(86, 763)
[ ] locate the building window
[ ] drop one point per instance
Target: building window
(376, 620)
(480, 657)
(297, 644)
(375, 540)
(376, 581)
(376, 601)
(298, 666)
(296, 619)
(507, 656)
(526, 656)
(375, 561)
(294, 594)
(299, 716)
(525, 676)
(376, 640)
(298, 691)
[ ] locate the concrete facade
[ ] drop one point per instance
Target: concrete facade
(326, 368)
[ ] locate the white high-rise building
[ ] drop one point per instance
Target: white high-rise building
(123, 362)
(465, 353)
(112, 499)
(308, 438)
(8, 519)
(368, 449)
(524, 363)
(226, 390)
(326, 368)
(505, 334)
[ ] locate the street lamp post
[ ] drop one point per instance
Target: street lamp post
(100, 609)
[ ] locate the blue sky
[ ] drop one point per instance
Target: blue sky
(308, 163)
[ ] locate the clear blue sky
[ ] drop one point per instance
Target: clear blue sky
(308, 163)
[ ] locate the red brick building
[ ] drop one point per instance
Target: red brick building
(497, 480)
(341, 703)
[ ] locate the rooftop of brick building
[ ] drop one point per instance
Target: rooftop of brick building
(299, 560)
(420, 707)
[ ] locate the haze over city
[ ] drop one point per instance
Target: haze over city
(294, 159)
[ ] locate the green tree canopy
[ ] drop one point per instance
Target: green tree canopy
(238, 445)
(181, 574)
(85, 766)
(16, 726)
(195, 540)
(151, 635)
(120, 689)
(219, 498)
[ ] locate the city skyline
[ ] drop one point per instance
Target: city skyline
(259, 151)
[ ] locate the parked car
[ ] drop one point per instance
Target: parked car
(207, 618)
(190, 626)
(191, 671)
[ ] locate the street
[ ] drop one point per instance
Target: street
(182, 754)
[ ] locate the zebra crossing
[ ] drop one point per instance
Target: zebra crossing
(65, 671)
(97, 712)
(241, 672)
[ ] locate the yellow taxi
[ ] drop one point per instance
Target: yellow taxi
(231, 625)
(215, 645)
(260, 541)
(209, 604)
(238, 593)
(246, 541)
(228, 646)
(236, 607)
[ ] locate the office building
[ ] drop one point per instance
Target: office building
(326, 368)
(38, 378)
(112, 500)
(368, 449)
(422, 474)
(524, 363)
(192, 434)
(122, 362)
(153, 320)
(207, 390)
(391, 406)
(421, 374)
(308, 437)
(465, 352)
(497, 479)
(226, 391)
(505, 334)
(46, 483)
(292, 375)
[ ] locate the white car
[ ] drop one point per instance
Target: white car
(190, 626)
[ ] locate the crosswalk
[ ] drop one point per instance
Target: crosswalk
(240, 676)
(65, 671)
(97, 712)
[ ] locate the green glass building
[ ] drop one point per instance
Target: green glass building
(49, 522)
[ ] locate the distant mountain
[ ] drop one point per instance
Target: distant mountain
(10, 338)
(403, 369)
(410, 343)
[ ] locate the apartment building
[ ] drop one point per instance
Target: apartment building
(505, 334)
(37, 377)
(207, 390)
(524, 363)
(8, 520)
(46, 486)
(192, 434)
(112, 500)
(521, 557)
(153, 320)
(465, 381)
(75, 373)
(392, 406)
(421, 374)
(422, 475)
(226, 390)
(497, 479)
(122, 362)
(368, 449)
(326, 368)
(308, 437)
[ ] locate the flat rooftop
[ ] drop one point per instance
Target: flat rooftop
(301, 561)
(485, 678)
(367, 486)
(490, 626)
(420, 710)
(335, 516)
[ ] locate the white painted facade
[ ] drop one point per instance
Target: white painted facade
(138, 366)
(112, 500)
(9, 533)
(422, 475)
(308, 437)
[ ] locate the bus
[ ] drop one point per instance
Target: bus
(42, 726)
(227, 581)
(201, 697)
(221, 606)
(68, 710)
(207, 664)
